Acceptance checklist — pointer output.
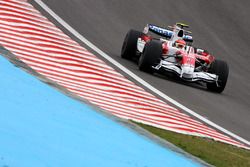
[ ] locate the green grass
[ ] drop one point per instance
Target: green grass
(212, 152)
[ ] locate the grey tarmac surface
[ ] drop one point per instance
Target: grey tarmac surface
(222, 27)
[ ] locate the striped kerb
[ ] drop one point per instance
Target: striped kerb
(35, 40)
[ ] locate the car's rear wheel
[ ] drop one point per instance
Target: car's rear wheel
(129, 46)
(220, 68)
(151, 56)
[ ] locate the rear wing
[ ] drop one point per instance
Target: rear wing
(167, 33)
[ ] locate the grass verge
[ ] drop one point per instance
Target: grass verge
(212, 152)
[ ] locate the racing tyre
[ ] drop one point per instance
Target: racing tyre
(151, 56)
(221, 69)
(129, 46)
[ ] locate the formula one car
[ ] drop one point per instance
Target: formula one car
(172, 52)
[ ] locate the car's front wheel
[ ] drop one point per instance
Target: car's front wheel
(220, 68)
(151, 56)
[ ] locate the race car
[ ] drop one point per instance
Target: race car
(171, 50)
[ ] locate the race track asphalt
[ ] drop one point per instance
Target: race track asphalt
(221, 26)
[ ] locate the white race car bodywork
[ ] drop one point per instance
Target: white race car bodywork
(186, 72)
(172, 51)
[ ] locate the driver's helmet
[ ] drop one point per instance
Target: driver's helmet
(180, 43)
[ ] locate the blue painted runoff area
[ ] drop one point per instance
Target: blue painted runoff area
(41, 127)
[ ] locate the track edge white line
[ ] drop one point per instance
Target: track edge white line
(135, 77)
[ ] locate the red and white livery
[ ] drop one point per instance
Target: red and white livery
(173, 52)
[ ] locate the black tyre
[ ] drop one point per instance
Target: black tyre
(129, 46)
(221, 69)
(151, 56)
